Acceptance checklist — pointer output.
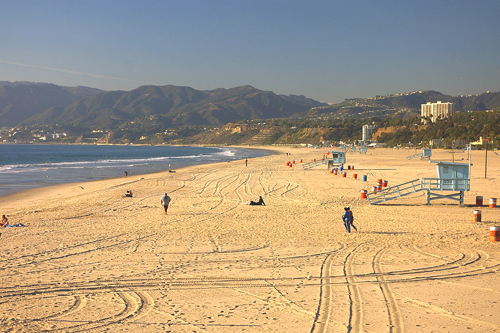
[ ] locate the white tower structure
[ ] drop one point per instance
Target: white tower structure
(439, 110)
(367, 132)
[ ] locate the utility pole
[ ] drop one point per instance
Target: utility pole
(486, 159)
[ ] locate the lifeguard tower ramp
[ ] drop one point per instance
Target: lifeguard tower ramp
(451, 177)
(337, 159)
(426, 153)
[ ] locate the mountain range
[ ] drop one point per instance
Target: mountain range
(27, 103)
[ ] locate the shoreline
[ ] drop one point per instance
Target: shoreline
(182, 165)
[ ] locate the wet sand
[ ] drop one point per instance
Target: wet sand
(93, 260)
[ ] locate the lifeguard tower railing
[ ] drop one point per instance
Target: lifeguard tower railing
(426, 153)
(423, 184)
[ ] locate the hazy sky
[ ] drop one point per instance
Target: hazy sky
(326, 50)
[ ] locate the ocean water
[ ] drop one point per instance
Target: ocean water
(29, 166)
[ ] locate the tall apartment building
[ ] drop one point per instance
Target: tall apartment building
(367, 132)
(438, 110)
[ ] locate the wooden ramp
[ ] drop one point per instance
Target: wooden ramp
(394, 192)
(314, 164)
(423, 184)
(414, 156)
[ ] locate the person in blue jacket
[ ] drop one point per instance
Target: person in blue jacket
(346, 217)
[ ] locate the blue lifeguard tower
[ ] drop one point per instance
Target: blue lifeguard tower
(337, 159)
(451, 177)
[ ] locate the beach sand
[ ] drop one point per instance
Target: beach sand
(93, 260)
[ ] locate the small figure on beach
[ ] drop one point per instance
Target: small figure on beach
(5, 221)
(352, 219)
(258, 203)
(170, 168)
(126, 173)
(246, 161)
(165, 201)
(128, 194)
(346, 217)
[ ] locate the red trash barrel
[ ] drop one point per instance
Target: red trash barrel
(363, 194)
(384, 183)
(479, 201)
(495, 234)
(344, 174)
(493, 202)
(354, 176)
(477, 216)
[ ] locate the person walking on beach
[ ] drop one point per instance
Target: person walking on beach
(246, 161)
(165, 200)
(352, 218)
(346, 217)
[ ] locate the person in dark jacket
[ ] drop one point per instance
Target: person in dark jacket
(352, 219)
(346, 217)
(258, 203)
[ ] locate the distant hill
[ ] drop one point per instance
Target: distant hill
(181, 105)
(405, 105)
(20, 101)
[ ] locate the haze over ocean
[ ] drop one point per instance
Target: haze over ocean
(24, 167)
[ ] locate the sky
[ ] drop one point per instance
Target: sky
(326, 50)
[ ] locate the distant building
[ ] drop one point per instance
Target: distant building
(439, 110)
(367, 132)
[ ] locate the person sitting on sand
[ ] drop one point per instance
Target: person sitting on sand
(129, 194)
(258, 203)
(4, 222)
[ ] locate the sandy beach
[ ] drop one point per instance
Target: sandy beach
(91, 260)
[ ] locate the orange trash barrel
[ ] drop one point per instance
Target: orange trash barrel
(354, 176)
(384, 183)
(493, 202)
(352, 167)
(363, 194)
(495, 234)
(379, 186)
(344, 174)
(293, 162)
(379, 180)
(479, 201)
(477, 216)
(374, 188)
(331, 170)
(335, 172)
